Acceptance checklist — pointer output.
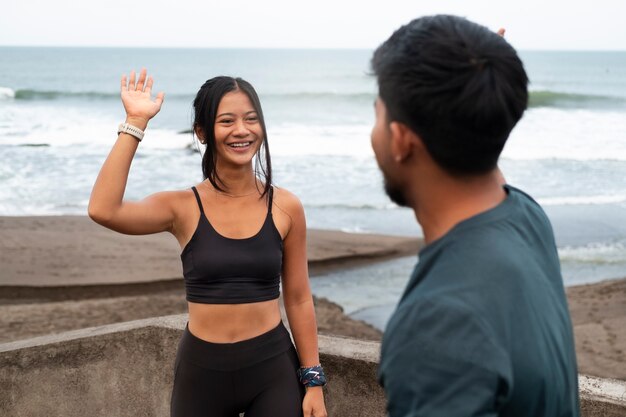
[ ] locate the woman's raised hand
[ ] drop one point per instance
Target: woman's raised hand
(136, 98)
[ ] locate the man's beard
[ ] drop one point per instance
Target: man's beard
(394, 192)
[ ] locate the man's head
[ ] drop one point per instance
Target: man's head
(457, 86)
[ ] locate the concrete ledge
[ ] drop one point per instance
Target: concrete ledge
(126, 369)
(119, 373)
(602, 397)
(351, 365)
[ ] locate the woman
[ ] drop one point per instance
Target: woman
(239, 236)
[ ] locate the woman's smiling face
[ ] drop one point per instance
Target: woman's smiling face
(238, 131)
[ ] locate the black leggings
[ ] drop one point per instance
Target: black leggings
(256, 376)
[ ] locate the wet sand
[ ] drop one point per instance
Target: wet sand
(599, 317)
(57, 251)
(62, 273)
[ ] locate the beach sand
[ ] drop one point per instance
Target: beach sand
(599, 317)
(62, 273)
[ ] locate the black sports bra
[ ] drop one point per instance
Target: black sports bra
(222, 270)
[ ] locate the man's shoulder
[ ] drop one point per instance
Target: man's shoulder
(471, 259)
(423, 311)
(497, 241)
(522, 193)
(527, 204)
(446, 327)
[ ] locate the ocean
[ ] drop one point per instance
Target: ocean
(60, 107)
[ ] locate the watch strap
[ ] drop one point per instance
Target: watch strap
(131, 130)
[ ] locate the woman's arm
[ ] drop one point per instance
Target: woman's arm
(106, 206)
(299, 301)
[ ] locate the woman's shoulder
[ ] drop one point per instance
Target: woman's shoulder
(176, 199)
(287, 201)
(291, 211)
(184, 194)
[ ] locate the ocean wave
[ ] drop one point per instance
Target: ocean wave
(537, 98)
(582, 200)
(576, 135)
(6, 93)
(551, 201)
(30, 94)
(547, 98)
(321, 95)
(343, 206)
(35, 94)
(34, 145)
(595, 254)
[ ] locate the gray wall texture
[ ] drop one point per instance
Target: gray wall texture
(125, 369)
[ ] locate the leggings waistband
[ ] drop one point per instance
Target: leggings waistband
(233, 356)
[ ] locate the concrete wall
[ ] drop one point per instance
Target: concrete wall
(102, 372)
(125, 369)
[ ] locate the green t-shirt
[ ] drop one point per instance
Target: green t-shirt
(483, 327)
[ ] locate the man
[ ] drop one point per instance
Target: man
(483, 327)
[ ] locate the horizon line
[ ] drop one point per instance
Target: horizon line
(285, 48)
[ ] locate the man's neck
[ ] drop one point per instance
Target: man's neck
(443, 201)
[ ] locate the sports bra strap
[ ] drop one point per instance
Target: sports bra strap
(198, 199)
(271, 194)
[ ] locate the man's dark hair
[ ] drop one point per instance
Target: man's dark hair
(458, 85)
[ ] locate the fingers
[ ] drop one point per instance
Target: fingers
(501, 32)
(159, 98)
(131, 82)
(321, 412)
(314, 413)
(142, 79)
(149, 84)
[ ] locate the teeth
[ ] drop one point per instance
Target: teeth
(240, 145)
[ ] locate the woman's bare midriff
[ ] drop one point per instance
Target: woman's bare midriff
(229, 323)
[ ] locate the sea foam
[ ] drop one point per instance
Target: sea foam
(6, 93)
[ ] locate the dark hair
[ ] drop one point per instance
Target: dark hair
(458, 85)
(205, 112)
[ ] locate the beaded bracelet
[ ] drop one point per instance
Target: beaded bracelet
(312, 376)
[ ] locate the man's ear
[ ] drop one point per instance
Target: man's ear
(404, 141)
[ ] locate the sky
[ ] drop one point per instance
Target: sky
(530, 24)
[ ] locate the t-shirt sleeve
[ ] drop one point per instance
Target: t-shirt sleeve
(440, 361)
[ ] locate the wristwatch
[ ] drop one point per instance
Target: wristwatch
(131, 130)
